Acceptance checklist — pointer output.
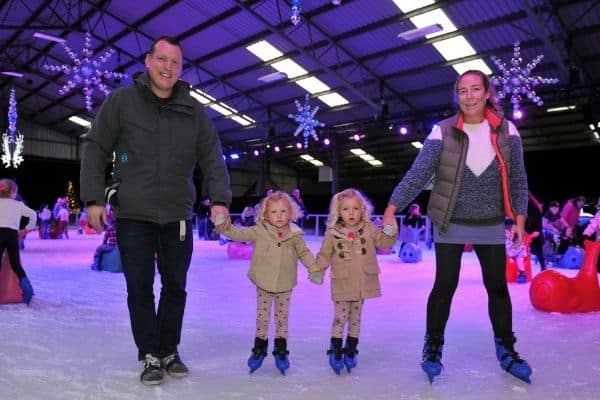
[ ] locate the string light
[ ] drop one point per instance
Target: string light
(517, 81)
(12, 140)
(306, 120)
(297, 8)
(85, 71)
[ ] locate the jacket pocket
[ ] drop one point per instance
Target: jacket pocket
(371, 268)
(340, 271)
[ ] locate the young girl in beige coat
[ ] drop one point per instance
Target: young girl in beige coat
(349, 246)
(278, 245)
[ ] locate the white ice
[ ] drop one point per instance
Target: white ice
(75, 342)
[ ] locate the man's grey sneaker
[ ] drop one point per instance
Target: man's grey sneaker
(174, 366)
(152, 373)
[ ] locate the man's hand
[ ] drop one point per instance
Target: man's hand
(219, 216)
(97, 217)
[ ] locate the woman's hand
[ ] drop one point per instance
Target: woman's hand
(518, 231)
(389, 218)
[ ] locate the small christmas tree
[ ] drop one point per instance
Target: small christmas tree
(72, 199)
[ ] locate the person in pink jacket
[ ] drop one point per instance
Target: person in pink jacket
(278, 245)
(349, 247)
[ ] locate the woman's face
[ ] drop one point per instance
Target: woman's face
(472, 98)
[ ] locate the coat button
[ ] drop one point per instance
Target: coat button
(278, 244)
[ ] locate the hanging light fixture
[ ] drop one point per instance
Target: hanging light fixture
(12, 140)
(86, 71)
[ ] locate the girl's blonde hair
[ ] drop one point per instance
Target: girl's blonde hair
(334, 207)
(8, 188)
(295, 211)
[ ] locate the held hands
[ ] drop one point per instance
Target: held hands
(317, 277)
(517, 234)
(97, 217)
(388, 230)
(389, 222)
(219, 215)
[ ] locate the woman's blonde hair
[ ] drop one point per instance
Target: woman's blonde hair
(334, 207)
(295, 211)
(8, 188)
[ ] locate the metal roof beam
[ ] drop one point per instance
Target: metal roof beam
(277, 31)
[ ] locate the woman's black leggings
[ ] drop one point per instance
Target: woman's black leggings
(9, 241)
(492, 258)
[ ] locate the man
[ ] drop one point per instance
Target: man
(158, 133)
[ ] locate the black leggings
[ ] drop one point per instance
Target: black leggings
(492, 258)
(9, 241)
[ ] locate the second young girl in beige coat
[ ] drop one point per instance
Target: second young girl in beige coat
(349, 246)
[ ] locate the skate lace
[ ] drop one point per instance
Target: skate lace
(258, 352)
(432, 353)
(336, 352)
(150, 360)
(516, 359)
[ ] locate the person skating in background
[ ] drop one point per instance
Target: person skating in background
(11, 212)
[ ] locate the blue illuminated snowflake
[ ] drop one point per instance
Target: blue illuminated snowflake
(85, 72)
(12, 140)
(306, 121)
(517, 81)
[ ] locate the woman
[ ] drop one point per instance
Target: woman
(476, 157)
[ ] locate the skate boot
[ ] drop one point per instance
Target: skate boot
(27, 290)
(281, 355)
(432, 356)
(335, 353)
(510, 360)
(259, 352)
(350, 353)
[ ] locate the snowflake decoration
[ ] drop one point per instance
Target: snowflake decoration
(306, 121)
(297, 7)
(12, 141)
(86, 72)
(517, 81)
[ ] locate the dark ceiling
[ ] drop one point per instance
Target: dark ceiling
(352, 47)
